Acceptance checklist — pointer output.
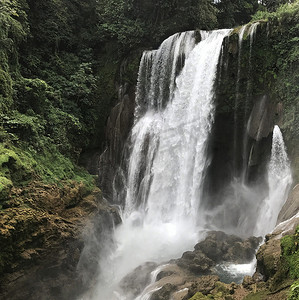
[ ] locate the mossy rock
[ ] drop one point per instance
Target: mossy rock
(257, 296)
(288, 267)
(199, 296)
(290, 253)
(14, 166)
(5, 188)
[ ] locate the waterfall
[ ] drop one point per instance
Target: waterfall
(164, 167)
(167, 161)
(280, 180)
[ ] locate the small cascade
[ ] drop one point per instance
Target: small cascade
(237, 97)
(235, 272)
(251, 32)
(241, 34)
(279, 180)
(152, 287)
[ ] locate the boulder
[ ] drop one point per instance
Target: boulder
(272, 263)
(196, 262)
(135, 282)
(261, 120)
(219, 247)
(163, 293)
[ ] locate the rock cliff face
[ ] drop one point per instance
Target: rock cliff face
(291, 206)
(119, 123)
(247, 108)
(41, 240)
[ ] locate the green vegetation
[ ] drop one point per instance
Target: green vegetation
(257, 296)
(60, 64)
(59, 61)
(287, 269)
(294, 291)
(290, 253)
(199, 296)
(234, 13)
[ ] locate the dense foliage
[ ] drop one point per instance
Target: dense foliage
(236, 12)
(58, 63)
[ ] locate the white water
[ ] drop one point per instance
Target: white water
(158, 70)
(235, 272)
(280, 180)
(151, 288)
(168, 157)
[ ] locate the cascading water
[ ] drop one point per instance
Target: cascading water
(168, 158)
(251, 209)
(158, 70)
(252, 32)
(280, 180)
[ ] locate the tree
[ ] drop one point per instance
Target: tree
(235, 12)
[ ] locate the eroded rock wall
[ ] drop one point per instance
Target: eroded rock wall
(41, 240)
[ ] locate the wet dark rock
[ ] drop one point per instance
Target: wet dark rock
(269, 254)
(196, 262)
(216, 248)
(261, 120)
(247, 281)
(117, 129)
(135, 282)
(291, 206)
(220, 247)
(257, 277)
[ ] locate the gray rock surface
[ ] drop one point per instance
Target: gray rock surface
(291, 206)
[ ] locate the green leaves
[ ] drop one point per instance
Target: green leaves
(13, 20)
(294, 291)
(233, 13)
